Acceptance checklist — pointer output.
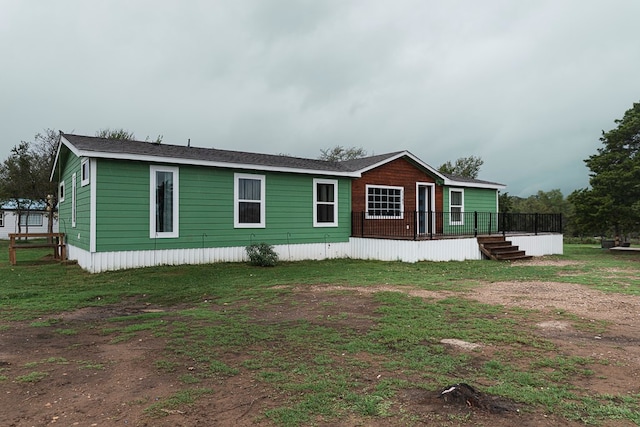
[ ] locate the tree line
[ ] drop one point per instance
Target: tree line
(610, 206)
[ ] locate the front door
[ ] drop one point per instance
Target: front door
(424, 207)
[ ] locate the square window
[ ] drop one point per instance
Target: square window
(384, 202)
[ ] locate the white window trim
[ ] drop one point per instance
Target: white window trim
(333, 182)
(236, 200)
(1, 218)
(366, 201)
(451, 221)
(74, 204)
(61, 192)
(85, 166)
(153, 234)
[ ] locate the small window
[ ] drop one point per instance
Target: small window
(249, 203)
(384, 202)
(456, 207)
(164, 202)
(325, 203)
(84, 172)
(1, 219)
(31, 220)
(74, 206)
(61, 191)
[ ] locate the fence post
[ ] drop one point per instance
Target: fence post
(430, 224)
(475, 223)
(504, 224)
(490, 221)
(416, 216)
(362, 215)
(535, 224)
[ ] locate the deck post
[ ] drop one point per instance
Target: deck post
(475, 223)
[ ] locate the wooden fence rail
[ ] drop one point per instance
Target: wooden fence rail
(53, 240)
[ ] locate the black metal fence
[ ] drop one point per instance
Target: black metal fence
(435, 225)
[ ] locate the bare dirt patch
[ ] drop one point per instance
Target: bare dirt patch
(89, 379)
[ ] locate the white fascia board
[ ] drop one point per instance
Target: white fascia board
(180, 161)
(453, 183)
(70, 146)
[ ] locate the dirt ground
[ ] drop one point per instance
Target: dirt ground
(92, 381)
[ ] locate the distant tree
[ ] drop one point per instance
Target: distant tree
(468, 167)
(123, 135)
(542, 202)
(339, 153)
(612, 204)
(119, 134)
(16, 183)
(505, 202)
(24, 175)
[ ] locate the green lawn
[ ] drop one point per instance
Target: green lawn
(404, 333)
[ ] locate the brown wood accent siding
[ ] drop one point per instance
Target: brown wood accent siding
(398, 173)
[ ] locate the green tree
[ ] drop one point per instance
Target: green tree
(25, 174)
(123, 135)
(542, 202)
(339, 153)
(119, 134)
(505, 202)
(612, 204)
(468, 167)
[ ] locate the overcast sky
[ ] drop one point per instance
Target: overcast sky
(526, 85)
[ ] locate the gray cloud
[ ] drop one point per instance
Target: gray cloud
(526, 86)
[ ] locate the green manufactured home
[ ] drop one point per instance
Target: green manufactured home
(126, 204)
(130, 203)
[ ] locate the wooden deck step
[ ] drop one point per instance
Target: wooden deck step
(500, 249)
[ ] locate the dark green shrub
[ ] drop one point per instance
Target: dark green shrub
(262, 255)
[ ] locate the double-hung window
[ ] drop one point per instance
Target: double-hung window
(1, 219)
(325, 203)
(249, 201)
(456, 206)
(164, 199)
(385, 202)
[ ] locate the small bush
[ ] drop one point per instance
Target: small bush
(262, 255)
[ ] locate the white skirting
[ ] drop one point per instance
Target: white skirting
(357, 248)
(97, 262)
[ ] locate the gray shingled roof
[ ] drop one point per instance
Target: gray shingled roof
(89, 144)
(102, 147)
(463, 179)
(365, 162)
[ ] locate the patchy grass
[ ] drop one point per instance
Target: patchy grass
(321, 369)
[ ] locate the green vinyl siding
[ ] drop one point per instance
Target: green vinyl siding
(79, 235)
(481, 200)
(206, 202)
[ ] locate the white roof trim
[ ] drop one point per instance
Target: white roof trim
(467, 184)
(404, 154)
